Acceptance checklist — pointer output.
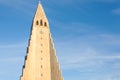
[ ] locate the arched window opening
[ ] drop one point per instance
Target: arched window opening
(37, 23)
(41, 23)
(45, 24)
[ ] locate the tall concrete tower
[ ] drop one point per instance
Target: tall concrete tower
(40, 62)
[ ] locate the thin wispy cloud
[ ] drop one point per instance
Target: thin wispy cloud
(28, 5)
(82, 2)
(85, 53)
(13, 52)
(92, 61)
(11, 60)
(20, 5)
(87, 60)
(17, 45)
(80, 28)
(107, 1)
(116, 11)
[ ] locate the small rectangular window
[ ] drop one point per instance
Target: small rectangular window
(45, 24)
(37, 23)
(41, 23)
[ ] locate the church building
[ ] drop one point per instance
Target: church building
(41, 62)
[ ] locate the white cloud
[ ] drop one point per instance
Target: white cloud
(11, 60)
(20, 5)
(75, 27)
(109, 39)
(81, 2)
(109, 1)
(30, 4)
(89, 52)
(90, 60)
(12, 53)
(17, 45)
(116, 11)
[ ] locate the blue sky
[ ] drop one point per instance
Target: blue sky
(86, 36)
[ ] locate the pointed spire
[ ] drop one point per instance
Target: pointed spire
(40, 11)
(40, 14)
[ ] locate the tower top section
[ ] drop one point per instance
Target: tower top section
(40, 14)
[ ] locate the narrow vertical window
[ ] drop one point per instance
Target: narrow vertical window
(41, 23)
(45, 24)
(37, 23)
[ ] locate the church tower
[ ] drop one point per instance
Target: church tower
(40, 61)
